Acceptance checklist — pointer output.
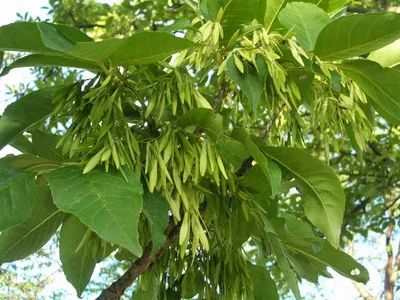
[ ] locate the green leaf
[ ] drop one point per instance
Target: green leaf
(339, 261)
(330, 6)
(297, 227)
(26, 37)
(239, 12)
(380, 84)
(388, 56)
(156, 210)
(251, 81)
(356, 35)
(79, 260)
(264, 287)
(44, 145)
(179, 24)
(29, 162)
(23, 36)
(323, 194)
(282, 260)
(272, 11)
(22, 144)
(140, 48)
(42, 60)
(22, 240)
(151, 292)
(243, 137)
(336, 81)
(53, 39)
(17, 196)
(306, 20)
(104, 202)
(25, 112)
(204, 118)
(255, 179)
(233, 152)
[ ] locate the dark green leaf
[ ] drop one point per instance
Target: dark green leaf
(306, 20)
(264, 287)
(22, 240)
(297, 227)
(26, 37)
(339, 261)
(140, 48)
(25, 112)
(53, 39)
(156, 209)
(204, 118)
(380, 84)
(29, 162)
(44, 145)
(42, 60)
(151, 292)
(17, 196)
(233, 151)
(357, 34)
(22, 144)
(104, 202)
(255, 179)
(323, 194)
(78, 260)
(336, 81)
(252, 82)
(243, 137)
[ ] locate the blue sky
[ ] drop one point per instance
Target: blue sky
(338, 288)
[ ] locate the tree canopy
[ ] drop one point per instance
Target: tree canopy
(217, 149)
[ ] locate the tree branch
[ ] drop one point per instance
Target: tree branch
(140, 266)
(390, 268)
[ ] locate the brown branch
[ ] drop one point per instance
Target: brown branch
(89, 26)
(391, 268)
(145, 262)
(248, 163)
(361, 288)
(140, 266)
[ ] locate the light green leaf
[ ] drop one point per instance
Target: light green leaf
(156, 210)
(380, 84)
(22, 240)
(251, 81)
(272, 11)
(42, 60)
(79, 260)
(388, 56)
(204, 118)
(17, 196)
(25, 112)
(264, 287)
(243, 137)
(104, 202)
(357, 34)
(323, 194)
(140, 48)
(53, 39)
(44, 145)
(306, 20)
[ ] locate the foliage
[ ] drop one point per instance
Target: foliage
(192, 167)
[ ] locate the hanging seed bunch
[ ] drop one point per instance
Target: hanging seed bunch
(99, 131)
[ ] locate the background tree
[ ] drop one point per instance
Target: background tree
(191, 129)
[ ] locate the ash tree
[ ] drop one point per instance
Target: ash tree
(182, 150)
